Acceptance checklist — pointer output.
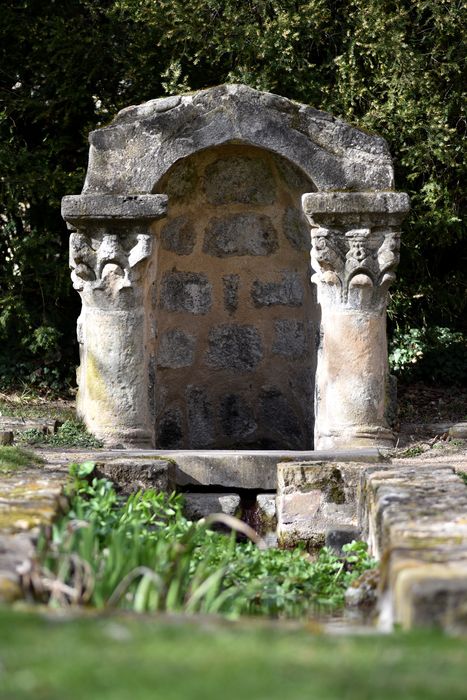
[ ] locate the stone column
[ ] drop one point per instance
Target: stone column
(110, 245)
(355, 250)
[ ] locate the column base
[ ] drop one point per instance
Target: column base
(122, 437)
(354, 437)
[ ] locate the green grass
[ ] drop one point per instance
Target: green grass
(31, 406)
(71, 434)
(12, 458)
(114, 658)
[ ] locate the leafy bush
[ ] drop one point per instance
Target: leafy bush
(71, 434)
(143, 554)
(435, 354)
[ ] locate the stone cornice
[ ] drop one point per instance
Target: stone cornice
(86, 208)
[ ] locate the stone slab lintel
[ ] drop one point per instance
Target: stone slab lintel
(355, 202)
(81, 208)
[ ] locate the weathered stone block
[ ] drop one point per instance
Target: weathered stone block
(296, 513)
(6, 437)
(179, 236)
(152, 386)
(265, 520)
(280, 418)
(170, 429)
(416, 524)
(239, 179)
(200, 417)
(16, 551)
(289, 338)
(200, 505)
(181, 181)
(136, 474)
(186, 291)
(314, 500)
(240, 234)
(113, 207)
(288, 292)
(236, 417)
(234, 347)
(296, 229)
(231, 284)
(176, 349)
(432, 596)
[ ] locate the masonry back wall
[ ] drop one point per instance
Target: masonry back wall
(233, 313)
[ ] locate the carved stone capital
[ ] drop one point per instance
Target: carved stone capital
(355, 245)
(109, 243)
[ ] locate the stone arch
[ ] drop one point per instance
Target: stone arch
(353, 217)
(143, 142)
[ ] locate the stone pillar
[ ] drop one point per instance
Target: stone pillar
(110, 244)
(355, 250)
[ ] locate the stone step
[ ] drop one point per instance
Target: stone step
(229, 469)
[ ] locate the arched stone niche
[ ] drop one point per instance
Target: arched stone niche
(188, 247)
(230, 294)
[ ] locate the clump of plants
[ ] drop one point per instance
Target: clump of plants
(142, 554)
(71, 433)
(429, 353)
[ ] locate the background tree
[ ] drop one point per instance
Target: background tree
(394, 67)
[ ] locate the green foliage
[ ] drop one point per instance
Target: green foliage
(433, 354)
(143, 554)
(395, 68)
(463, 476)
(12, 458)
(71, 434)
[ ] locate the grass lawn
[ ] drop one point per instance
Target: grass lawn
(12, 458)
(122, 658)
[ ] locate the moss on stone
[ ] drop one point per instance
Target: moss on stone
(94, 382)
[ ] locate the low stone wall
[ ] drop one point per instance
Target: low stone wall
(413, 517)
(416, 523)
(29, 499)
